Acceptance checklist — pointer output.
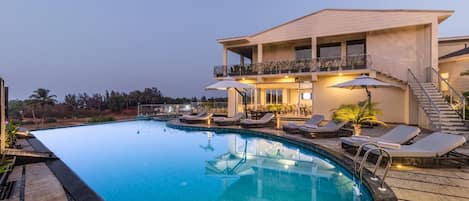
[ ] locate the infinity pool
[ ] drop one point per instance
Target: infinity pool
(145, 160)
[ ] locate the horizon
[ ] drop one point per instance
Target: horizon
(88, 46)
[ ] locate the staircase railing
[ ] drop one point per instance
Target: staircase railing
(415, 83)
(459, 105)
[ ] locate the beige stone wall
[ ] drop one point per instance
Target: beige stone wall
(395, 50)
(454, 69)
(391, 101)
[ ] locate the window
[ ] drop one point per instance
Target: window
(356, 47)
(306, 96)
(303, 53)
(329, 50)
(273, 96)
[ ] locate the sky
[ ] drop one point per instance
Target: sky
(71, 46)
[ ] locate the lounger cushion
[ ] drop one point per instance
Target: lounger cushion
(434, 145)
(314, 120)
(332, 126)
(235, 118)
(398, 135)
(264, 120)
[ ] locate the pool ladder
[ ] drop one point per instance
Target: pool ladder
(372, 147)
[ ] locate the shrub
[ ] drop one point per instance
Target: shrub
(51, 120)
(98, 119)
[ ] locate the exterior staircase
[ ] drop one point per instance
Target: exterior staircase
(442, 116)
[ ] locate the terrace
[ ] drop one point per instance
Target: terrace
(318, 65)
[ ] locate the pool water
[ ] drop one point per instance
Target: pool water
(145, 160)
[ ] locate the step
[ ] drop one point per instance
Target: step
(456, 132)
(449, 124)
(444, 116)
(457, 119)
(454, 128)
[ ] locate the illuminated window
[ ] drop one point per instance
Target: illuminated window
(273, 96)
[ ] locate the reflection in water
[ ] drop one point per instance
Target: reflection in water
(169, 164)
(259, 169)
(209, 146)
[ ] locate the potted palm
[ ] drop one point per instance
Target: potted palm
(358, 114)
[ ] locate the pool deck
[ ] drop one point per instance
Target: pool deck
(408, 183)
(47, 180)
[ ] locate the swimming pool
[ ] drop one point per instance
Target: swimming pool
(145, 160)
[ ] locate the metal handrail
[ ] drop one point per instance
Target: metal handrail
(462, 99)
(438, 126)
(378, 163)
(320, 64)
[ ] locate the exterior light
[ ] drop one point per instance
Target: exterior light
(285, 166)
(286, 76)
(243, 78)
(399, 166)
(340, 74)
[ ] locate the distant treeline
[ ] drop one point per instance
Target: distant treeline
(41, 103)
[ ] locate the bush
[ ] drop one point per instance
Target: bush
(101, 119)
(51, 120)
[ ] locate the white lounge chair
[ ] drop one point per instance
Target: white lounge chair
(265, 121)
(185, 117)
(331, 129)
(229, 121)
(401, 134)
(199, 119)
(293, 128)
(430, 150)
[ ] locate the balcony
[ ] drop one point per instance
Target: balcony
(321, 64)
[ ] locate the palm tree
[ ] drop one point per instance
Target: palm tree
(42, 98)
(357, 114)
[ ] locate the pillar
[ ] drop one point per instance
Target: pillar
(259, 53)
(2, 117)
(225, 61)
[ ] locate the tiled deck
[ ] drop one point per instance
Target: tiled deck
(408, 183)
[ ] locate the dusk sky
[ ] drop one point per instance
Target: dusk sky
(93, 45)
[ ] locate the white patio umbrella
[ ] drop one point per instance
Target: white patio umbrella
(228, 83)
(364, 82)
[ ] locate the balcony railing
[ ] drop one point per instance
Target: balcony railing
(321, 64)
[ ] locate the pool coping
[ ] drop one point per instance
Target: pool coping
(331, 154)
(73, 185)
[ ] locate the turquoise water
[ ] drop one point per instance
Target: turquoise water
(145, 160)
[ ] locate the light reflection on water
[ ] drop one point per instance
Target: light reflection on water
(145, 160)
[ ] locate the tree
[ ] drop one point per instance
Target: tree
(357, 114)
(116, 101)
(42, 98)
(15, 109)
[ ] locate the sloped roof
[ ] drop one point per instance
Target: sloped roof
(453, 38)
(446, 14)
(464, 51)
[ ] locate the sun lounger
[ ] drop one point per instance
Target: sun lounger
(401, 134)
(293, 128)
(198, 120)
(331, 129)
(265, 121)
(223, 121)
(184, 117)
(429, 151)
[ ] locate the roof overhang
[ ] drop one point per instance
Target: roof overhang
(441, 14)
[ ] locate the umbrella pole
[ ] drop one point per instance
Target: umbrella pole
(245, 101)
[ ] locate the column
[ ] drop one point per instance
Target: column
(241, 60)
(2, 117)
(259, 53)
(225, 61)
(314, 53)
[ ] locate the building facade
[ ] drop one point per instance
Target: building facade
(294, 64)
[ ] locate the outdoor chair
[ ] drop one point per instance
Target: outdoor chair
(331, 129)
(229, 121)
(265, 121)
(293, 128)
(401, 134)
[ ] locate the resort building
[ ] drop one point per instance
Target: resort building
(294, 65)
